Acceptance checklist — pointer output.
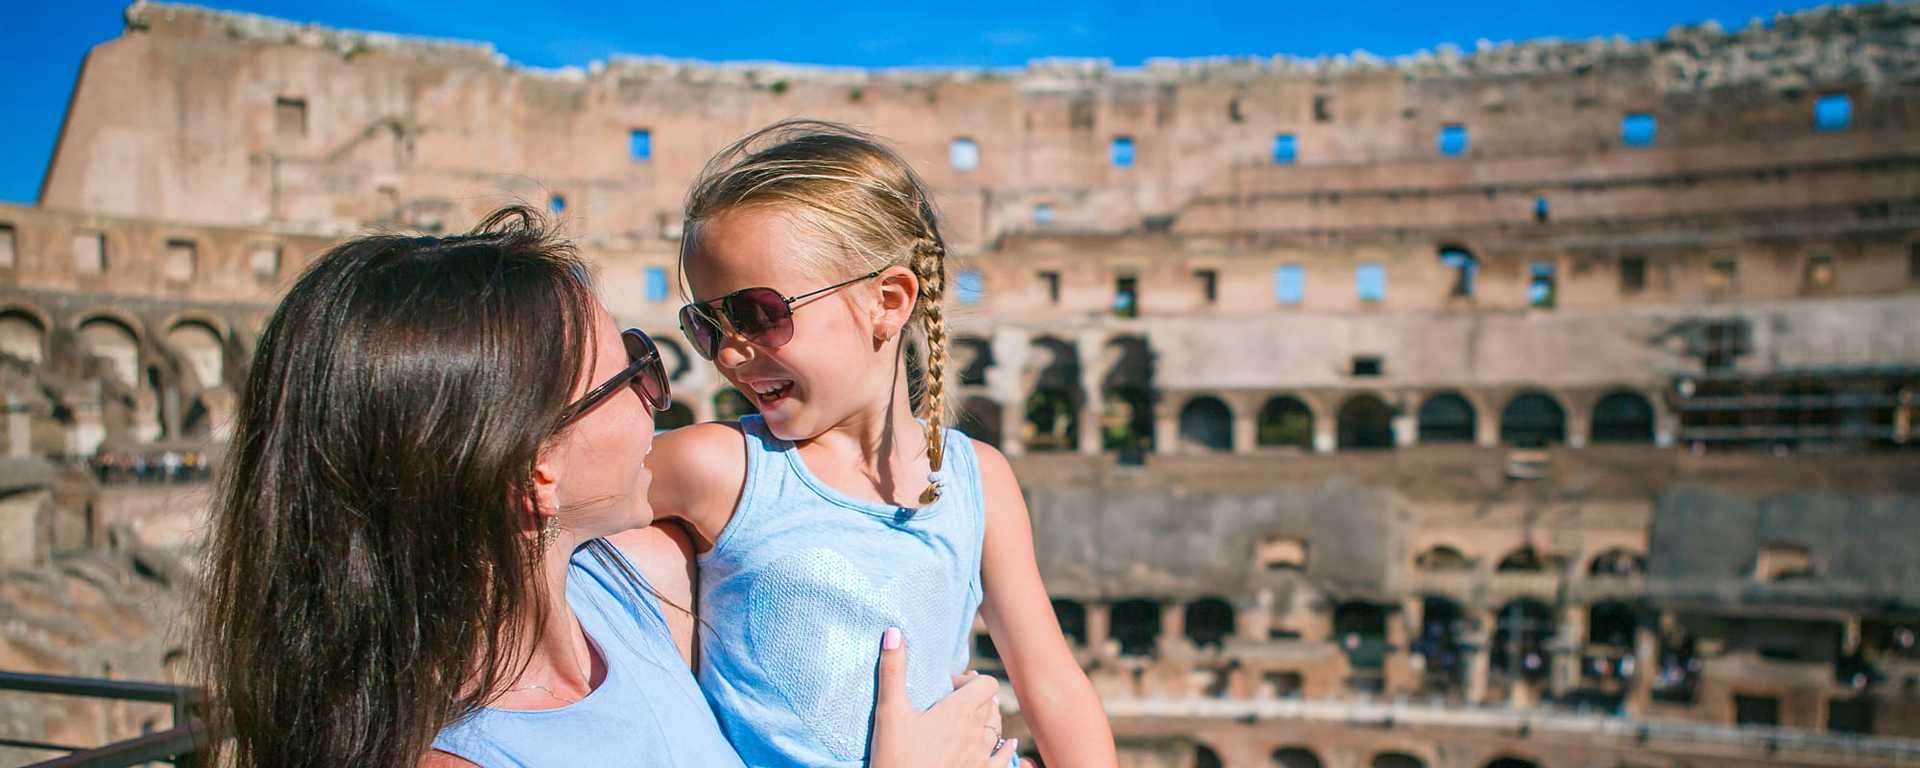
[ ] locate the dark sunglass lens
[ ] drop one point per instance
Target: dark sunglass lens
(700, 331)
(651, 380)
(772, 319)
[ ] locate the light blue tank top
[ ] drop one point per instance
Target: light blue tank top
(797, 590)
(646, 713)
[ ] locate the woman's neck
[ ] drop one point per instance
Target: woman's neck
(562, 666)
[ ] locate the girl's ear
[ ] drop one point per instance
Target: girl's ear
(899, 289)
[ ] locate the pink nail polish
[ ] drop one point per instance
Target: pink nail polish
(890, 640)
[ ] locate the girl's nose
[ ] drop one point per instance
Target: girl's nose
(734, 351)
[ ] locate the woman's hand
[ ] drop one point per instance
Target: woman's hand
(959, 732)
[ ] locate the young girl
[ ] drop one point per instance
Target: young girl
(812, 254)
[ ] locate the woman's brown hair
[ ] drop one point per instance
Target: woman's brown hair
(370, 574)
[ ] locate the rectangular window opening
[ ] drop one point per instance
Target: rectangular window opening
(1284, 149)
(1453, 140)
(557, 204)
(1051, 282)
(1637, 129)
(1465, 268)
(1633, 274)
(1289, 284)
(1043, 214)
(1541, 210)
(963, 154)
(1122, 152)
(969, 287)
(8, 259)
(89, 253)
(1541, 287)
(1367, 365)
(1370, 282)
(657, 287)
(1322, 108)
(639, 145)
(179, 262)
(1126, 296)
(1819, 270)
(1209, 284)
(1833, 112)
(1723, 274)
(290, 117)
(264, 261)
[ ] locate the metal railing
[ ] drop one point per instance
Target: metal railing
(182, 744)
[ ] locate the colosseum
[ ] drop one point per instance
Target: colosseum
(1546, 404)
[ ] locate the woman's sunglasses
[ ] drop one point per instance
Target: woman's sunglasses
(643, 372)
(760, 315)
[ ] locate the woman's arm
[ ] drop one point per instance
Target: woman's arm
(663, 553)
(1069, 724)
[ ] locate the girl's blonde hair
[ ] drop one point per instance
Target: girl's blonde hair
(869, 210)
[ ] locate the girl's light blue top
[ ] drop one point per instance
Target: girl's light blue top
(797, 590)
(646, 713)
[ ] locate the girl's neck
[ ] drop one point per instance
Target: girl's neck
(879, 439)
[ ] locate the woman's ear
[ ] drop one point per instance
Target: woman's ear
(899, 290)
(546, 490)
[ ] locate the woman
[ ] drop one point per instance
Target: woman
(426, 548)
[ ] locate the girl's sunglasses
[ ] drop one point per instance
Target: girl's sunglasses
(760, 315)
(643, 372)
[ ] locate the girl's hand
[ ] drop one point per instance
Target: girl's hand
(958, 732)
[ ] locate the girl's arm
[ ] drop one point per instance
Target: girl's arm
(699, 473)
(1068, 722)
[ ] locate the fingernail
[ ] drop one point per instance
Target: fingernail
(890, 640)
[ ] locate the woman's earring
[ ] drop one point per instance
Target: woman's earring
(549, 530)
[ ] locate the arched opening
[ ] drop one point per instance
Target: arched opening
(1361, 630)
(1207, 423)
(1203, 757)
(114, 347)
(1366, 423)
(1295, 757)
(1465, 268)
(1617, 563)
(201, 354)
(1072, 615)
(1285, 422)
(1136, 626)
(1447, 418)
(23, 337)
(1396, 760)
(972, 356)
(1442, 558)
(1611, 623)
(1523, 560)
(1442, 627)
(673, 358)
(1522, 629)
(730, 405)
(1623, 417)
(1126, 421)
(1052, 422)
(1209, 622)
(1533, 420)
(677, 415)
(980, 418)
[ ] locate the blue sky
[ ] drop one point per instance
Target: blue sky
(42, 43)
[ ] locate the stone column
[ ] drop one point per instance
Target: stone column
(1166, 425)
(1486, 430)
(1252, 620)
(703, 404)
(1088, 347)
(1569, 646)
(1406, 421)
(1480, 638)
(1173, 624)
(1579, 421)
(1326, 431)
(1646, 664)
(1246, 429)
(1013, 422)
(1099, 627)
